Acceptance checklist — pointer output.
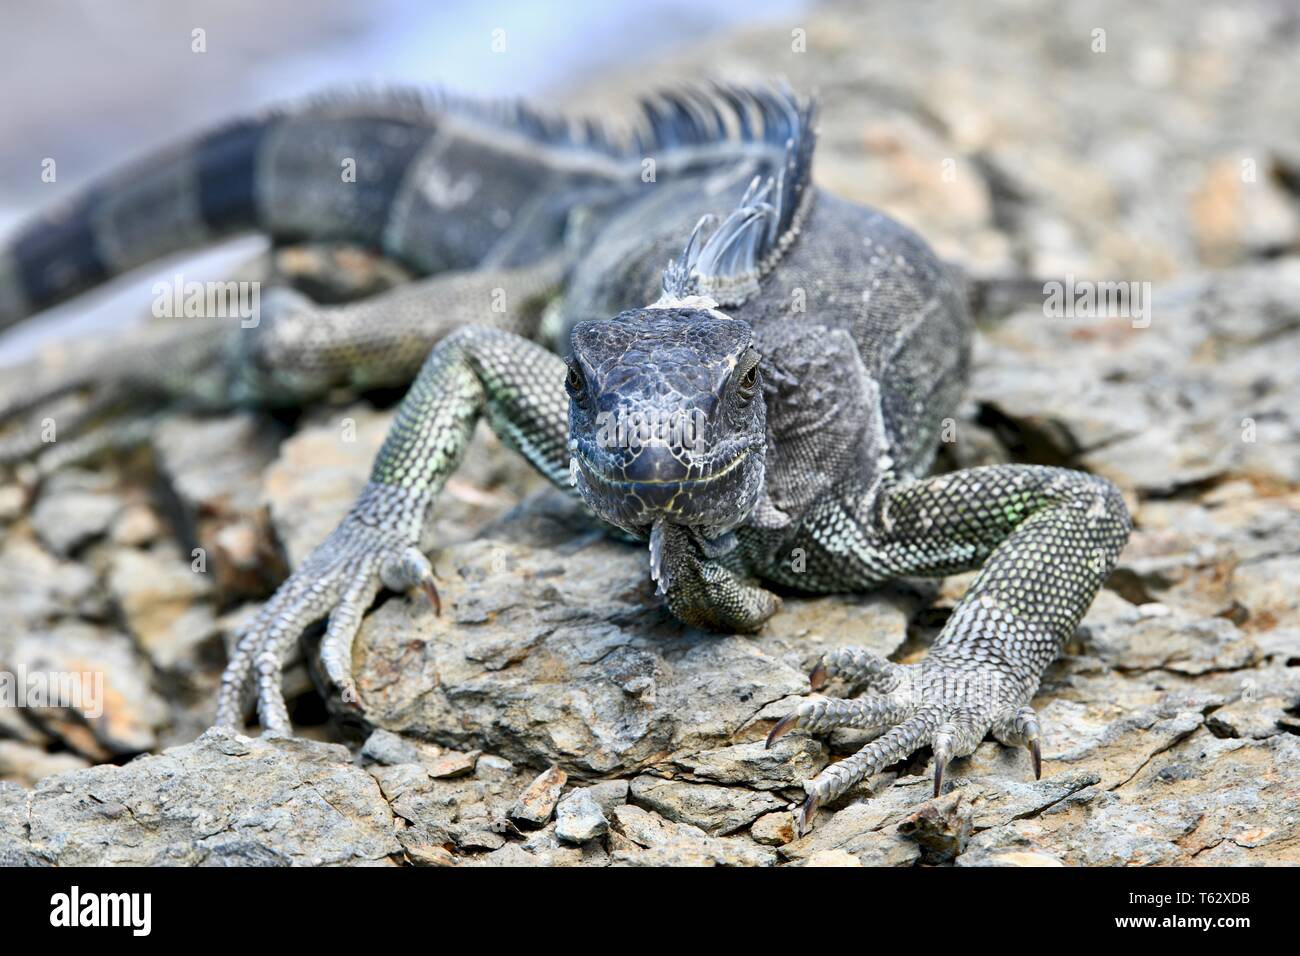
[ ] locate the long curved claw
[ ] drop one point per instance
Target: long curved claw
(431, 590)
(803, 820)
(1027, 725)
(819, 676)
(943, 749)
(408, 569)
(782, 726)
(1020, 728)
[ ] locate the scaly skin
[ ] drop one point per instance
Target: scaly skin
(807, 469)
(297, 353)
(817, 346)
(486, 202)
(1044, 538)
(518, 384)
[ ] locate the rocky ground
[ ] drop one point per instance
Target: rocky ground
(555, 714)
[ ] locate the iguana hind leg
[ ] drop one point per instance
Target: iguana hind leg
(1045, 539)
(292, 350)
(302, 349)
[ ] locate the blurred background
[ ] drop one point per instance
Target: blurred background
(1103, 138)
(94, 84)
(1154, 142)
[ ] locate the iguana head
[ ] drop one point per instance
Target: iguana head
(666, 418)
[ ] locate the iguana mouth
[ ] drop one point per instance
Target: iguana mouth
(625, 484)
(715, 498)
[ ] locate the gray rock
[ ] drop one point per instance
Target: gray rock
(536, 804)
(162, 599)
(1268, 589)
(15, 847)
(997, 801)
(465, 814)
(1256, 718)
(716, 810)
(940, 827)
(72, 511)
(423, 853)
(106, 702)
(453, 763)
(1200, 801)
(641, 837)
(578, 817)
(1001, 847)
(1155, 637)
(24, 764)
(789, 762)
(832, 858)
(609, 794)
(216, 498)
(222, 800)
(867, 831)
(36, 587)
(546, 602)
(1109, 737)
(388, 748)
(773, 829)
(494, 767)
(137, 525)
(545, 848)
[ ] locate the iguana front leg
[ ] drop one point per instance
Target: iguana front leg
(520, 387)
(1045, 537)
(699, 589)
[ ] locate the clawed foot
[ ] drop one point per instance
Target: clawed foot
(949, 705)
(339, 579)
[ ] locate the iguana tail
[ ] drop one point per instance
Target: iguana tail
(436, 181)
(281, 174)
(404, 172)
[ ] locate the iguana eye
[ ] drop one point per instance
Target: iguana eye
(573, 382)
(749, 376)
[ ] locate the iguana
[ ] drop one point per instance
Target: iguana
(756, 377)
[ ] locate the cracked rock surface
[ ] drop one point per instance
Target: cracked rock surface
(556, 715)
